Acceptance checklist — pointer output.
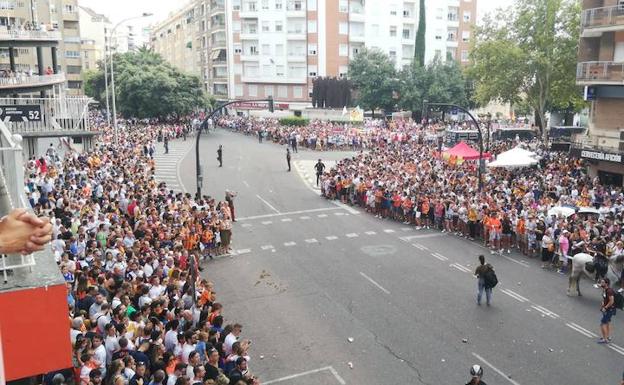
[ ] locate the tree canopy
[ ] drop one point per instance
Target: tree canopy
(527, 53)
(148, 87)
(374, 79)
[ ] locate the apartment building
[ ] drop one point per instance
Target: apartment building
(251, 49)
(95, 29)
(600, 70)
(53, 15)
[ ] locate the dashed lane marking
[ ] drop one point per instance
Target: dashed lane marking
(311, 240)
(420, 247)
(581, 330)
(439, 257)
(242, 251)
(494, 368)
(370, 233)
(369, 279)
(459, 267)
(389, 231)
(514, 295)
(351, 235)
(287, 220)
(322, 215)
(290, 244)
(304, 217)
(545, 311)
(267, 222)
(331, 237)
(267, 247)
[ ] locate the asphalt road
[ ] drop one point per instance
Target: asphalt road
(331, 295)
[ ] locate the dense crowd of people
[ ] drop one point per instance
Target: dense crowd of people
(408, 181)
(130, 249)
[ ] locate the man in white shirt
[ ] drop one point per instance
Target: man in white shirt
(99, 352)
(231, 338)
(188, 347)
(157, 289)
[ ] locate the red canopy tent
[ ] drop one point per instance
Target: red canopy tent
(465, 152)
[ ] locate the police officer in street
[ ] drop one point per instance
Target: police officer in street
(220, 155)
(476, 371)
(319, 167)
(288, 158)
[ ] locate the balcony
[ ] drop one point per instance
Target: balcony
(250, 56)
(28, 38)
(274, 80)
(24, 82)
(600, 72)
(295, 9)
(595, 21)
(297, 57)
(296, 35)
(70, 16)
(357, 38)
(217, 10)
(218, 44)
(248, 13)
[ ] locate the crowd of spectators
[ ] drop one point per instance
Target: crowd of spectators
(408, 181)
(130, 250)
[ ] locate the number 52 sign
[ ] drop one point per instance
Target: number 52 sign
(21, 112)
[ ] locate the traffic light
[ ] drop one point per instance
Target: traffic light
(271, 107)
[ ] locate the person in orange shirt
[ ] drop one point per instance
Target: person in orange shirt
(495, 227)
(521, 234)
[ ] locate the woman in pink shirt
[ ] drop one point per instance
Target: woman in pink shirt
(564, 247)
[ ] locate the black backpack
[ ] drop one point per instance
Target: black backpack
(490, 279)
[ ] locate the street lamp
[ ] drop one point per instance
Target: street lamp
(426, 105)
(112, 70)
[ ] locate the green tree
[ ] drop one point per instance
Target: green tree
(374, 79)
(439, 82)
(148, 87)
(419, 51)
(527, 53)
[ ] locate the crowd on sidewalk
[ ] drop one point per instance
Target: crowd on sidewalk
(129, 249)
(407, 181)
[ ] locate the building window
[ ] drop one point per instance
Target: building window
(342, 71)
(74, 85)
(266, 49)
(439, 13)
(279, 71)
(265, 26)
(311, 26)
(393, 10)
(278, 4)
(268, 91)
(296, 71)
(406, 13)
(343, 6)
(265, 4)
(253, 50)
(266, 70)
(343, 50)
(311, 5)
(238, 69)
(238, 49)
(467, 16)
(238, 90)
(297, 92)
(236, 26)
(406, 33)
(279, 26)
(312, 49)
(465, 36)
(392, 53)
(393, 31)
(236, 5)
(343, 28)
(312, 70)
(253, 90)
(279, 50)
(282, 92)
(438, 34)
(464, 56)
(450, 53)
(251, 6)
(72, 54)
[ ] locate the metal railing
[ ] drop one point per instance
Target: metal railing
(22, 34)
(603, 17)
(600, 71)
(24, 80)
(57, 114)
(12, 193)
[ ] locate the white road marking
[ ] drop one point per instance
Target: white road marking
(288, 213)
(339, 214)
(521, 263)
(406, 228)
(370, 233)
(616, 348)
(349, 209)
(494, 368)
(545, 311)
(267, 247)
(331, 237)
(389, 231)
(459, 267)
(246, 225)
(581, 330)
(330, 369)
(420, 247)
(322, 215)
(245, 183)
(268, 204)
(287, 220)
(410, 237)
(304, 217)
(515, 295)
(311, 240)
(289, 244)
(267, 222)
(374, 283)
(351, 235)
(242, 251)
(440, 257)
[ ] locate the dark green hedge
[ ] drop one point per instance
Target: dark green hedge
(294, 121)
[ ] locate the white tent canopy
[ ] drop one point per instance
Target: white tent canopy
(515, 158)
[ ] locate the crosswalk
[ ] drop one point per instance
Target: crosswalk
(167, 165)
(305, 169)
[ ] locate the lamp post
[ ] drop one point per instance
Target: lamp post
(112, 70)
(199, 177)
(426, 105)
(106, 47)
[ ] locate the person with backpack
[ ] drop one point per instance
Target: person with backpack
(608, 309)
(486, 279)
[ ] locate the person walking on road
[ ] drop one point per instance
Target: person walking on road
(220, 155)
(319, 167)
(288, 158)
(480, 272)
(229, 198)
(608, 310)
(476, 371)
(166, 143)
